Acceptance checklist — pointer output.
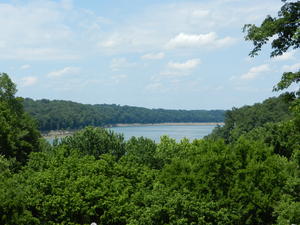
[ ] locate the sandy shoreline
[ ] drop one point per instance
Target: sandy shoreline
(167, 124)
(64, 133)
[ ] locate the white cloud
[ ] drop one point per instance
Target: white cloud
(249, 59)
(26, 27)
(119, 63)
(38, 53)
(154, 86)
(173, 73)
(247, 89)
(285, 56)
(111, 42)
(45, 30)
(188, 65)
(200, 13)
(291, 68)
(209, 40)
(178, 69)
(119, 78)
(28, 81)
(159, 55)
(57, 30)
(25, 67)
(2, 44)
(67, 4)
(152, 28)
(64, 71)
(255, 72)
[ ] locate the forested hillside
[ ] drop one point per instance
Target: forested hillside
(57, 115)
(239, 121)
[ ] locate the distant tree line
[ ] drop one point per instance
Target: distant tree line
(57, 114)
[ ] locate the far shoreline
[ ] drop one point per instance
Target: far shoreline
(166, 124)
(64, 133)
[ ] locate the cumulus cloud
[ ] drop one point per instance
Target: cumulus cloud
(155, 26)
(25, 67)
(188, 65)
(255, 72)
(200, 13)
(154, 86)
(209, 40)
(291, 68)
(285, 56)
(118, 78)
(67, 32)
(63, 72)
(37, 53)
(159, 55)
(29, 81)
(178, 69)
(173, 73)
(111, 42)
(119, 63)
(67, 4)
(43, 30)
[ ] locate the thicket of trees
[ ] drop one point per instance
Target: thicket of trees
(252, 177)
(18, 132)
(239, 121)
(140, 182)
(242, 174)
(57, 114)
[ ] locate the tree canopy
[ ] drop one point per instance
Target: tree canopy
(18, 132)
(284, 33)
(239, 121)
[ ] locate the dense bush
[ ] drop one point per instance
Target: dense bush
(204, 182)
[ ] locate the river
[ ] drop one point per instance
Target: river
(154, 132)
(177, 132)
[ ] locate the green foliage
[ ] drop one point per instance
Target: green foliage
(239, 121)
(18, 133)
(285, 27)
(56, 115)
(287, 79)
(288, 209)
(96, 141)
(199, 182)
(284, 32)
(142, 151)
(284, 137)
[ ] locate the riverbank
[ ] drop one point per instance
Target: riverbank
(58, 134)
(167, 124)
(64, 133)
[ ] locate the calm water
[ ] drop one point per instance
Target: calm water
(177, 132)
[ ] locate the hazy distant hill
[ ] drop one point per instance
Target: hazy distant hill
(58, 114)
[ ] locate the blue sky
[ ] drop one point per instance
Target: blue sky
(150, 53)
